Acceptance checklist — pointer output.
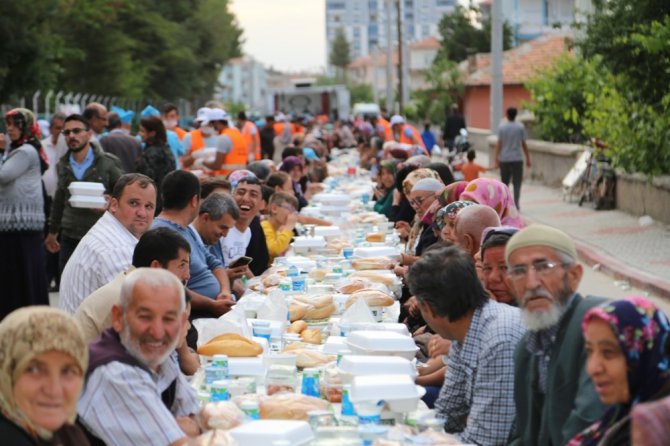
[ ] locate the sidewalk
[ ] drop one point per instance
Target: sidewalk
(614, 240)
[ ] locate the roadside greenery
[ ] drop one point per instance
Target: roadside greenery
(615, 87)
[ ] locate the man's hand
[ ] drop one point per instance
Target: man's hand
(187, 161)
(189, 426)
(528, 164)
(397, 197)
(438, 346)
(51, 243)
(403, 229)
(222, 304)
(238, 272)
(496, 164)
(291, 220)
(412, 307)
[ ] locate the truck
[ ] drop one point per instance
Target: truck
(304, 98)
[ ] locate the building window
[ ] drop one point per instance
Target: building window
(336, 5)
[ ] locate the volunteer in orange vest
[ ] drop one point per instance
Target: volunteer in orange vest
(283, 128)
(231, 149)
(251, 136)
(383, 128)
(198, 139)
(406, 133)
(171, 120)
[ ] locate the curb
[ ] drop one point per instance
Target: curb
(615, 268)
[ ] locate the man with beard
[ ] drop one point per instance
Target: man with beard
(134, 392)
(107, 248)
(554, 396)
(84, 161)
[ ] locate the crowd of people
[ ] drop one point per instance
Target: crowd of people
(510, 351)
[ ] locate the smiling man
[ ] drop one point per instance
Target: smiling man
(107, 248)
(554, 396)
(134, 391)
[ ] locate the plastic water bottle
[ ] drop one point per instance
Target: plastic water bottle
(293, 271)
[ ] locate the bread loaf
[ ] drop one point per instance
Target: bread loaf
(290, 407)
(309, 358)
(375, 237)
(373, 298)
(311, 335)
(271, 280)
(354, 285)
(372, 263)
(374, 276)
(316, 301)
(232, 348)
(296, 327)
(318, 274)
(297, 310)
(221, 415)
(318, 313)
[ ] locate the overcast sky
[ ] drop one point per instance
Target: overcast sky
(286, 34)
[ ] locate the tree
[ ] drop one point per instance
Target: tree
(340, 53)
(446, 88)
(461, 38)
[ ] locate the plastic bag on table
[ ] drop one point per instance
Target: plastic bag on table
(275, 307)
(232, 322)
(357, 312)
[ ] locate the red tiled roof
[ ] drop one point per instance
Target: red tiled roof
(429, 43)
(520, 63)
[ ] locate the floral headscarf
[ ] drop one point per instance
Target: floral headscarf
(24, 334)
(496, 195)
(25, 121)
(642, 331)
(416, 175)
(452, 192)
(390, 165)
(450, 211)
(238, 175)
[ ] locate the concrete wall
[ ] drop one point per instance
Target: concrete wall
(638, 196)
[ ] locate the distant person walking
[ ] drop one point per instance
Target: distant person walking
(452, 126)
(511, 139)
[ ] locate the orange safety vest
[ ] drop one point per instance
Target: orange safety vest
(180, 133)
(280, 128)
(388, 132)
(250, 139)
(197, 140)
(238, 156)
(417, 135)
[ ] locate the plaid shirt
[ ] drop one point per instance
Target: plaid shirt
(477, 398)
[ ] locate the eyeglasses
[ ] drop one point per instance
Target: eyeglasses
(416, 202)
(74, 131)
(542, 268)
(289, 208)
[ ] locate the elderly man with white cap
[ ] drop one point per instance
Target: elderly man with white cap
(554, 396)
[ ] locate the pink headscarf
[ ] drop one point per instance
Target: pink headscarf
(496, 195)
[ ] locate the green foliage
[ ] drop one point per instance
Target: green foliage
(127, 48)
(361, 93)
(631, 45)
(461, 38)
(340, 54)
(446, 88)
(561, 96)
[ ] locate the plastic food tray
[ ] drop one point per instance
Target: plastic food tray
(380, 343)
(398, 391)
(86, 188)
(87, 201)
(376, 365)
(265, 432)
(246, 366)
(380, 250)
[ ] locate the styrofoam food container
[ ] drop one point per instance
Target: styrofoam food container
(381, 326)
(86, 188)
(335, 344)
(332, 198)
(334, 210)
(353, 365)
(327, 231)
(303, 263)
(309, 242)
(378, 343)
(246, 366)
(88, 201)
(376, 251)
(275, 326)
(265, 432)
(399, 391)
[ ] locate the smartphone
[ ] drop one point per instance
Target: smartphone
(240, 261)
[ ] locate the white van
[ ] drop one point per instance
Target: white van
(366, 109)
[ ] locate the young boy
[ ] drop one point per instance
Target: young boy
(471, 170)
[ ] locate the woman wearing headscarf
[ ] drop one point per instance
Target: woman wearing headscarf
(401, 210)
(446, 219)
(294, 166)
(157, 159)
(496, 195)
(421, 204)
(627, 360)
(22, 262)
(385, 187)
(43, 359)
(443, 171)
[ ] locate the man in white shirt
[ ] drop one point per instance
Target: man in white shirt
(107, 248)
(134, 391)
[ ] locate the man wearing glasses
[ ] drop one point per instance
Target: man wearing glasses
(84, 161)
(555, 399)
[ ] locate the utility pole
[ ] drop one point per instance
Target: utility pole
(375, 63)
(389, 58)
(400, 56)
(496, 65)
